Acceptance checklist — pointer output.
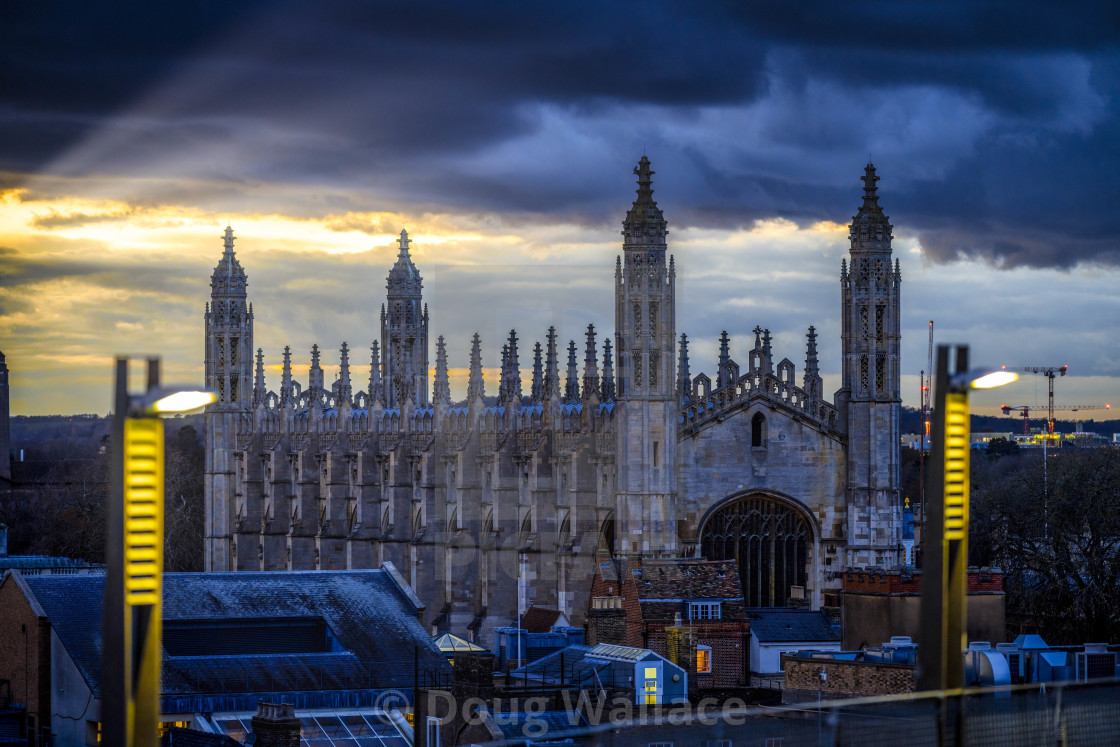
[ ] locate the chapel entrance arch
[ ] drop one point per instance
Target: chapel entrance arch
(768, 537)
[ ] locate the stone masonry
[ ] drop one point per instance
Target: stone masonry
(505, 497)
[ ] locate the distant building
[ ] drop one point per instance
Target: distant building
(509, 494)
(35, 565)
(330, 642)
(543, 620)
(646, 677)
(877, 604)
(777, 632)
(635, 602)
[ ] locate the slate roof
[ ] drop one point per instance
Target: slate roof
(539, 619)
(782, 626)
(372, 619)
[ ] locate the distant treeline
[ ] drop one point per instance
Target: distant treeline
(910, 421)
(60, 487)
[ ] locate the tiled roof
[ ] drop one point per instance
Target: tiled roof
(371, 618)
(689, 579)
(539, 619)
(780, 626)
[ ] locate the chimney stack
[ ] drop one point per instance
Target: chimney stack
(275, 725)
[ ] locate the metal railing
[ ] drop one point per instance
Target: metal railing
(1068, 714)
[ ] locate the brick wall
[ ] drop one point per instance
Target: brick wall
(628, 590)
(900, 582)
(845, 679)
(25, 651)
(730, 644)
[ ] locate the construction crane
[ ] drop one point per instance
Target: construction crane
(1025, 411)
(1049, 372)
(926, 378)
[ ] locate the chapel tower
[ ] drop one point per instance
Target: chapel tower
(404, 334)
(646, 419)
(229, 371)
(870, 397)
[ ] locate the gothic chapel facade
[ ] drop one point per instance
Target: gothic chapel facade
(506, 497)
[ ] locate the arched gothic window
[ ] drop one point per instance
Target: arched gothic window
(769, 539)
(758, 430)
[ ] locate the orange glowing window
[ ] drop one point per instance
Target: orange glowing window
(703, 659)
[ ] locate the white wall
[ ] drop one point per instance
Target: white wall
(766, 658)
(71, 701)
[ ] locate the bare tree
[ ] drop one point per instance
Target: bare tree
(1057, 537)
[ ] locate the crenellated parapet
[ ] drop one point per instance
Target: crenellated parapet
(704, 406)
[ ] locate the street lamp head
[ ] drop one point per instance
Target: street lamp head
(981, 378)
(173, 399)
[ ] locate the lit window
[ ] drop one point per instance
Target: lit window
(703, 659)
(703, 610)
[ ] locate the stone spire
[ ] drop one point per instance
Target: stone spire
(571, 386)
(503, 374)
(684, 377)
(512, 384)
(286, 377)
(441, 392)
(228, 278)
(259, 392)
(812, 382)
(404, 276)
(608, 372)
(767, 352)
(723, 375)
(404, 333)
(551, 367)
(476, 389)
(645, 223)
(590, 366)
(315, 375)
(375, 392)
(229, 333)
(343, 390)
(537, 390)
(871, 228)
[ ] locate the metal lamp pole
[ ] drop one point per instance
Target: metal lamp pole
(134, 566)
(131, 618)
(945, 544)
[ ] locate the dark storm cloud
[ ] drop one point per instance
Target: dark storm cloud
(994, 125)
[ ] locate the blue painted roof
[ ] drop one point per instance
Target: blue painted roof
(780, 626)
(372, 619)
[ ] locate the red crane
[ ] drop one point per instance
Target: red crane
(1049, 372)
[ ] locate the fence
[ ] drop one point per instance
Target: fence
(1067, 714)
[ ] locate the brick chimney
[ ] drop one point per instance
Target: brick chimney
(275, 725)
(680, 648)
(606, 621)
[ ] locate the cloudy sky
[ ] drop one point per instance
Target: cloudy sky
(503, 137)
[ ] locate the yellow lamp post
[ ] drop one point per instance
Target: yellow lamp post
(945, 541)
(132, 620)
